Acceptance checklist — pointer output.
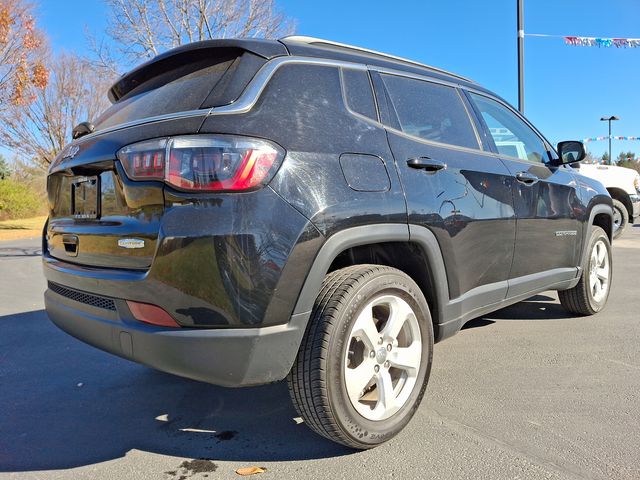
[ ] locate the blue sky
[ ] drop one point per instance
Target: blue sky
(567, 89)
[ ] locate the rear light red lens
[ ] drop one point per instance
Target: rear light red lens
(203, 162)
(152, 314)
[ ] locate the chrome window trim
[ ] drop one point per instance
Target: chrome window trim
(440, 144)
(142, 121)
(345, 101)
(251, 94)
(259, 82)
(248, 98)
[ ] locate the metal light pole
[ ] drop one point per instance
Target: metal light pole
(609, 119)
(520, 56)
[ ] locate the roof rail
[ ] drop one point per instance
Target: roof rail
(314, 40)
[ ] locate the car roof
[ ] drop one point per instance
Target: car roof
(292, 45)
(318, 47)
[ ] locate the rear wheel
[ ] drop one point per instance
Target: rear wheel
(620, 218)
(590, 295)
(364, 362)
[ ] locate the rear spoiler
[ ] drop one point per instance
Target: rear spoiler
(266, 49)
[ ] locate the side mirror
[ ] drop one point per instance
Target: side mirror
(82, 129)
(571, 151)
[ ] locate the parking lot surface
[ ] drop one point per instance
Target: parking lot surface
(526, 392)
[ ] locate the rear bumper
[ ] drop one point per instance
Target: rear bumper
(230, 357)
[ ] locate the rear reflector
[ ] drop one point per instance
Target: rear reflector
(151, 314)
(208, 163)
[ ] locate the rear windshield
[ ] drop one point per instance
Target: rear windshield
(177, 90)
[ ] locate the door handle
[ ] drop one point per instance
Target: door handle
(426, 163)
(526, 178)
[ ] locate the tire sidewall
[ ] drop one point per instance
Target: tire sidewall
(363, 431)
(596, 235)
(624, 217)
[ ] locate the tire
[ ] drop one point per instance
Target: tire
(340, 350)
(590, 295)
(620, 218)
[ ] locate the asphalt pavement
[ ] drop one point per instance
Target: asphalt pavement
(528, 392)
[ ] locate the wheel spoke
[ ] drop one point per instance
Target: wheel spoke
(365, 328)
(602, 273)
(406, 358)
(386, 395)
(358, 378)
(601, 252)
(398, 315)
(597, 289)
(593, 279)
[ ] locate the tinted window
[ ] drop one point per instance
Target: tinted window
(512, 136)
(178, 90)
(358, 93)
(431, 111)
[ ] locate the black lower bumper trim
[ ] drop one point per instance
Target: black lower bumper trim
(227, 357)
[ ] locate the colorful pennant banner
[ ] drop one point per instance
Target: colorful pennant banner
(603, 42)
(606, 137)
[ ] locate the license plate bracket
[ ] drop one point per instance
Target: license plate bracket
(85, 197)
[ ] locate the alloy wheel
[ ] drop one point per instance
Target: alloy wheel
(599, 271)
(383, 357)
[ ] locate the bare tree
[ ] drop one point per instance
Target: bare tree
(142, 29)
(37, 131)
(22, 50)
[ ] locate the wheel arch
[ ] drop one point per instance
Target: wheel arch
(622, 196)
(601, 215)
(393, 245)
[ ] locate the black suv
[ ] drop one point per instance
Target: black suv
(252, 210)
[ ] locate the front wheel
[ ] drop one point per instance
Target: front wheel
(620, 218)
(364, 362)
(590, 295)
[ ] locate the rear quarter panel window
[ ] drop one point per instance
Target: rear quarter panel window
(358, 94)
(430, 111)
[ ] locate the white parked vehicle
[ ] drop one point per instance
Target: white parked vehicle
(623, 185)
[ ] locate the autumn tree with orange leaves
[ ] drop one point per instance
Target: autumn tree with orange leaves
(39, 106)
(22, 51)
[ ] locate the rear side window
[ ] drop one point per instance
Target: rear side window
(430, 111)
(358, 94)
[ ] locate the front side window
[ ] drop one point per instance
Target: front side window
(430, 111)
(513, 137)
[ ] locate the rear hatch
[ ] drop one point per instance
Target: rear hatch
(97, 215)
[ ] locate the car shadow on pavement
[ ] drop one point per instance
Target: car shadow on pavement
(66, 404)
(538, 307)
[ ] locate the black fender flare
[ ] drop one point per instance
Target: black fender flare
(595, 210)
(370, 234)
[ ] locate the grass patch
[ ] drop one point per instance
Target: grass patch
(23, 228)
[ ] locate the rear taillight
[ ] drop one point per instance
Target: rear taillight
(203, 162)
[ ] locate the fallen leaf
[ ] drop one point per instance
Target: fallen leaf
(250, 471)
